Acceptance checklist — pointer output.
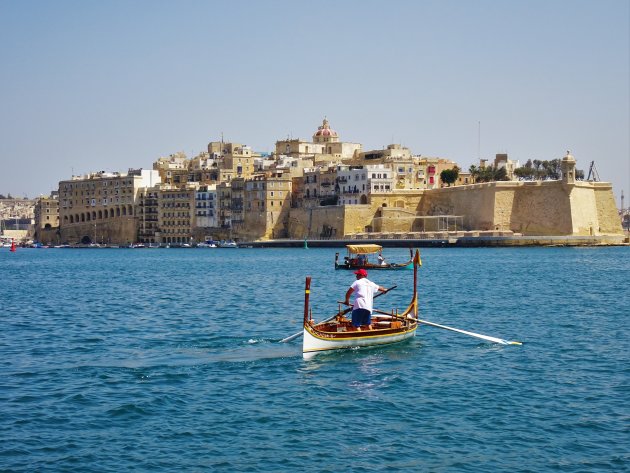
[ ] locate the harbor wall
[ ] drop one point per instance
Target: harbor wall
(529, 208)
(536, 208)
(120, 231)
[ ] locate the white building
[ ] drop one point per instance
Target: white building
(206, 206)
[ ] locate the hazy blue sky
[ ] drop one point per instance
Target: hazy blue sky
(109, 85)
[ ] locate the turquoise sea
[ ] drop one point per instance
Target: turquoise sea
(164, 360)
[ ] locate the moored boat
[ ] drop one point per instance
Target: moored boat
(337, 332)
(227, 244)
(369, 256)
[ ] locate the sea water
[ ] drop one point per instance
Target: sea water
(165, 360)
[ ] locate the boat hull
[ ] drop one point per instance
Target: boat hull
(317, 342)
(370, 267)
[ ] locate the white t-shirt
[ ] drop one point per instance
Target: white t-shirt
(364, 291)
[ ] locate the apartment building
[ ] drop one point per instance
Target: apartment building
(176, 217)
(46, 219)
(101, 207)
(266, 205)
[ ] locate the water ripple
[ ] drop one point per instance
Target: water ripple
(160, 361)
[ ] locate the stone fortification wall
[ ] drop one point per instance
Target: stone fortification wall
(393, 219)
(536, 208)
(475, 203)
(549, 208)
(608, 215)
(585, 217)
(318, 222)
(329, 221)
(115, 231)
(530, 208)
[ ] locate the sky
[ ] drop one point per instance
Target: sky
(91, 85)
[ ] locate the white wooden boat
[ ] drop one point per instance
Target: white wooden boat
(337, 332)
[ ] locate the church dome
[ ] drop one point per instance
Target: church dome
(325, 133)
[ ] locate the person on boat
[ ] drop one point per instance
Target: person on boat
(381, 260)
(363, 290)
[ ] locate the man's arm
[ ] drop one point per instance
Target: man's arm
(348, 294)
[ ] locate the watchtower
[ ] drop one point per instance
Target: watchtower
(567, 166)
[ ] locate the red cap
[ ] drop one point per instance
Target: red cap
(361, 272)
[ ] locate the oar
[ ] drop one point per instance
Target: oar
(472, 334)
(301, 332)
(465, 332)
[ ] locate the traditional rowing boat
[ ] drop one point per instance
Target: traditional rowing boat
(337, 332)
(369, 256)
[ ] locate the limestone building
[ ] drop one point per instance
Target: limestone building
(205, 206)
(46, 219)
(316, 187)
(174, 169)
(176, 217)
(356, 184)
(148, 210)
(224, 204)
(267, 206)
(326, 145)
(100, 207)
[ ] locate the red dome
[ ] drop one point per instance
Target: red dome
(325, 130)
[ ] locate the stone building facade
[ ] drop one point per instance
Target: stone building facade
(101, 207)
(176, 216)
(266, 206)
(46, 226)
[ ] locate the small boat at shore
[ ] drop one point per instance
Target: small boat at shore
(369, 256)
(337, 332)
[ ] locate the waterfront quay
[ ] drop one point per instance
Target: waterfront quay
(491, 239)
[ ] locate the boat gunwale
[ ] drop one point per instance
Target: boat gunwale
(374, 333)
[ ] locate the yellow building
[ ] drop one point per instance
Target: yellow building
(325, 146)
(47, 219)
(267, 206)
(100, 207)
(224, 205)
(176, 218)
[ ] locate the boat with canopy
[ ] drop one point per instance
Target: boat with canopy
(337, 332)
(369, 256)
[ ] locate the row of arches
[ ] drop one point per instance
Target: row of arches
(94, 215)
(176, 239)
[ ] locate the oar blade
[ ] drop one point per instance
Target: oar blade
(471, 334)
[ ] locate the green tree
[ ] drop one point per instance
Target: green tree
(449, 176)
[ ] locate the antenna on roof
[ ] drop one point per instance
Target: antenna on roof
(479, 140)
